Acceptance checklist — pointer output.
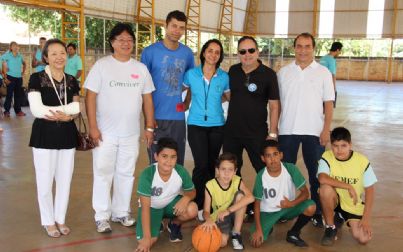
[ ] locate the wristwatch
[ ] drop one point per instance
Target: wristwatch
(272, 135)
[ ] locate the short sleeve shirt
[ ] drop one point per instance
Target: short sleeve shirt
(38, 57)
(356, 171)
(163, 192)
(14, 64)
(119, 87)
(49, 134)
(329, 62)
(167, 68)
(206, 107)
(250, 93)
(271, 190)
(302, 93)
(73, 65)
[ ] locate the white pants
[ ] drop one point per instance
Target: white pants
(114, 162)
(52, 165)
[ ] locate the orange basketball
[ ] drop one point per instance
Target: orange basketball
(206, 241)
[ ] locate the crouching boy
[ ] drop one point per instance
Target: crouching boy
(275, 197)
(228, 197)
(345, 176)
(159, 189)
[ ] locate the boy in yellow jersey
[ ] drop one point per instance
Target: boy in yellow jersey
(345, 176)
(228, 196)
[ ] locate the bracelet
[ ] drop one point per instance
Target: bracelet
(149, 129)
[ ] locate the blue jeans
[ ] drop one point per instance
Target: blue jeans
(311, 152)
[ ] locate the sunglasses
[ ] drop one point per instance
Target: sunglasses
(250, 50)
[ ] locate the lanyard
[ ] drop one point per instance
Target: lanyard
(206, 93)
(47, 71)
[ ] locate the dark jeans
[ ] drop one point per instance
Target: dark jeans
(236, 145)
(14, 87)
(175, 129)
(205, 143)
(311, 152)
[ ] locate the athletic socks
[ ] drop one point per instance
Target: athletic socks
(300, 223)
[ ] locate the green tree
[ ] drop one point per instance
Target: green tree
(38, 19)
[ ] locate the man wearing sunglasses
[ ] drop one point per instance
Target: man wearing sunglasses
(307, 95)
(253, 86)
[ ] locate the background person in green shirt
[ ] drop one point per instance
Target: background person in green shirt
(74, 65)
(13, 69)
(329, 61)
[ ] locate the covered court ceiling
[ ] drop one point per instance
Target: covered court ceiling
(349, 18)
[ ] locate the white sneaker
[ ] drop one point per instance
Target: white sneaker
(200, 215)
(126, 221)
(103, 226)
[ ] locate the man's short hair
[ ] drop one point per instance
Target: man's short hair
(305, 35)
(72, 45)
(336, 46)
(178, 15)
(246, 38)
(42, 38)
(339, 134)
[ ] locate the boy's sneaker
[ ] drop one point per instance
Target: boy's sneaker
(338, 220)
(103, 226)
(329, 237)
(317, 221)
(126, 221)
(20, 113)
(174, 230)
(237, 241)
(293, 237)
(6, 114)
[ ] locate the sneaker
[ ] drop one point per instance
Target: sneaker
(329, 237)
(126, 221)
(103, 226)
(20, 113)
(175, 234)
(294, 238)
(338, 220)
(6, 114)
(237, 241)
(281, 221)
(200, 215)
(317, 221)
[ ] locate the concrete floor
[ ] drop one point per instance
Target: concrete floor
(372, 111)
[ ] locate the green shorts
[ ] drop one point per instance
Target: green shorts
(156, 216)
(268, 219)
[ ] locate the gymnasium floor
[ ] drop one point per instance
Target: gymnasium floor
(372, 111)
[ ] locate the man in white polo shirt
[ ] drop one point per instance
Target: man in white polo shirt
(306, 96)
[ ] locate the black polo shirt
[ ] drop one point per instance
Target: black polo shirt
(250, 93)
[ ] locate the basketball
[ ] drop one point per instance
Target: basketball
(206, 241)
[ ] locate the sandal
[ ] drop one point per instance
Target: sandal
(52, 231)
(64, 230)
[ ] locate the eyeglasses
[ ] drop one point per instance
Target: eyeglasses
(122, 41)
(250, 51)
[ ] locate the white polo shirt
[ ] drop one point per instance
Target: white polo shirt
(302, 93)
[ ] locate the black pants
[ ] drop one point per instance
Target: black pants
(14, 87)
(205, 143)
(236, 145)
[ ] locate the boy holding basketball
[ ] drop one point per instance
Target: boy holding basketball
(160, 187)
(345, 176)
(228, 197)
(275, 197)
